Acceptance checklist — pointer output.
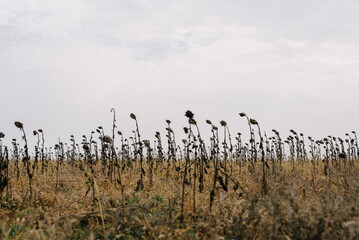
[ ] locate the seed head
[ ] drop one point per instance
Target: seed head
(209, 122)
(119, 133)
(2, 135)
(34, 132)
(107, 139)
(40, 130)
(147, 143)
(86, 147)
(19, 125)
(252, 121)
(189, 114)
(185, 130)
(223, 123)
(242, 114)
(292, 131)
(192, 121)
(168, 121)
(133, 116)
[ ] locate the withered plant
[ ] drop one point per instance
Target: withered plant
(30, 166)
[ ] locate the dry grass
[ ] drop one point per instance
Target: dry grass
(299, 205)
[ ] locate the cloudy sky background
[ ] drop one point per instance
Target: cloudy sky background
(287, 64)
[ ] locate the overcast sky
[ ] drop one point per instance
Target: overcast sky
(287, 64)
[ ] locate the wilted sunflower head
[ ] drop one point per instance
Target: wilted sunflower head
(19, 125)
(107, 139)
(209, 122)
(242, 114)
(133, 116)
(34, 132)
(147, 143)
(215, 128)
(86, 147)
(40, 130)
(189, 114)
(253, 121)
(2, 135)
(192, 121)
(185, 130)
(223, 123)
(119, 133)
(168, 121)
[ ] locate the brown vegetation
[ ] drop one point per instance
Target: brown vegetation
(233, 190)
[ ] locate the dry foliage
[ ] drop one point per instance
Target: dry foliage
(299, 205)
(265, 189)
